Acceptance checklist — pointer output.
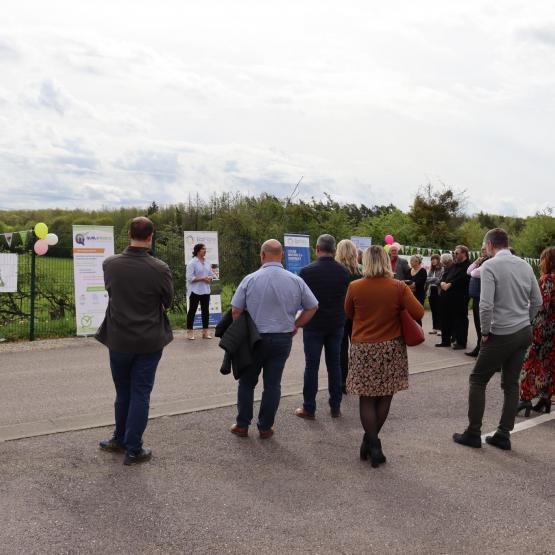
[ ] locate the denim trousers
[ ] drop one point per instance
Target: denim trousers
(271, 355)
(499, 351)
(314, 342)
(133, 376)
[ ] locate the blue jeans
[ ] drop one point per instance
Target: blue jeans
(314, 341)
(270, 357)
(133, 376)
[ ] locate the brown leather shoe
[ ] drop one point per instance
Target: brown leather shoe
(266, 434)
(335, 413)
(301, 412)
(238, 431)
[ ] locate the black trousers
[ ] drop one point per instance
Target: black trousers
(344, 358)
(476, 316)
(194, 301)
(434, 307)
(454, 319)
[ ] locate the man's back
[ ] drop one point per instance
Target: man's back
(328, 280)
(272, 296)
(509, 294)
(140, 287)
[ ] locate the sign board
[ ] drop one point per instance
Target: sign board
(362, 243)
(297, 251)
(92, 244)
(210, 239)
(8, 273)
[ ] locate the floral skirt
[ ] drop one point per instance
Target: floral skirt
(377, 369)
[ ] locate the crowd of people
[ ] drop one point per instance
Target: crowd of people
(348, 306)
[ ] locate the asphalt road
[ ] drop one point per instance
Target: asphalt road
(302, 491)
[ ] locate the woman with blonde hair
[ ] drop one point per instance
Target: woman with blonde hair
(378, 364)
(347, 255)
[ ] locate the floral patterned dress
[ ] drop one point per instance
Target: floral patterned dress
(538, 371)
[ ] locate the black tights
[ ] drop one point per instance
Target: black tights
(373, 414)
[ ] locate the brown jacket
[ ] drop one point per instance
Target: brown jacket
(140, 288)
(373, 305)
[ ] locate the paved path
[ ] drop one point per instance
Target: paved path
(61, 385)
(303, 491)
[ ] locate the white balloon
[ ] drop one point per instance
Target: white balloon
(51, 239)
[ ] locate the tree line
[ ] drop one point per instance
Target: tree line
(435, 219)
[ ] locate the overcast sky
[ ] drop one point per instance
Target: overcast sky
(118, 102)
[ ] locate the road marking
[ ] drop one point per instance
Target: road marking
(526, 424)
(75, 423)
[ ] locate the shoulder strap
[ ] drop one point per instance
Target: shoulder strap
(401, 290)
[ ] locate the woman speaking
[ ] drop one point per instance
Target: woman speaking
(199, 278)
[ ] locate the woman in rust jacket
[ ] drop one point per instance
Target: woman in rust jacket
(378, 364)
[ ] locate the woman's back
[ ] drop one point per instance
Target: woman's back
(374, 306)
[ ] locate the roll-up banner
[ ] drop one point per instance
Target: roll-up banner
(92, 244)
(210, 239)
(8, 273)
(297, 251)
(362, 243)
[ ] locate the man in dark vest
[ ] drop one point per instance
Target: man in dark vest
(328, 280)
(135, 330)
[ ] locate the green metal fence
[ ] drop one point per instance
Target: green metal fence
(44, 304)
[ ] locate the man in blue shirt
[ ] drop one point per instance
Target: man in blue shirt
(328, 280)
(272, 296)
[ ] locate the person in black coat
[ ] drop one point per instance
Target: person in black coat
(328, 280)
(454, 292)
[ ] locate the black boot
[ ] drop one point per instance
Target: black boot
(474, 352)
(544, 404)
(526, 406)
(364, 448)
(376, 454)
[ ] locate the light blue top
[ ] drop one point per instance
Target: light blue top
(198, 269)
(272, 296)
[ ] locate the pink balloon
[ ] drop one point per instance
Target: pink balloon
(41, 247)
(388, 239)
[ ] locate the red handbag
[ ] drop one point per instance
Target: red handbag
(412, 333)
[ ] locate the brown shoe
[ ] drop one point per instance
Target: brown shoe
(335, 413)
(238, 431)
(303, 413)
(266, 434)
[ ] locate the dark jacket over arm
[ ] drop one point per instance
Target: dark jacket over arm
(239, 341)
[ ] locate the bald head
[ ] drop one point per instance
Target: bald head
(271, 251)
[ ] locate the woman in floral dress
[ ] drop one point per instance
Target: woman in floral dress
(538, 371)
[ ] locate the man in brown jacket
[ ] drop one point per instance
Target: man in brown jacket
(135, 330)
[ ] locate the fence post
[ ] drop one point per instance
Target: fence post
(33, 289)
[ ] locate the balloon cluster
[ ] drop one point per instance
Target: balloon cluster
(389, 241)
(45, 239)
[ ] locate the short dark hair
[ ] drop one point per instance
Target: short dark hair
(498, 237)
(464, 249)
(141, 228)
(197, 248)
(326, 243)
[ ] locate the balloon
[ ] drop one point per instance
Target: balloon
(396, 245)
(386, 248)
(41, 230)
(41, 247)
(51, 239)
(388, 239)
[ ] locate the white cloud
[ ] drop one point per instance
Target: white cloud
(119, 103)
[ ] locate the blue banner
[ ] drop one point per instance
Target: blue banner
(297, 252)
